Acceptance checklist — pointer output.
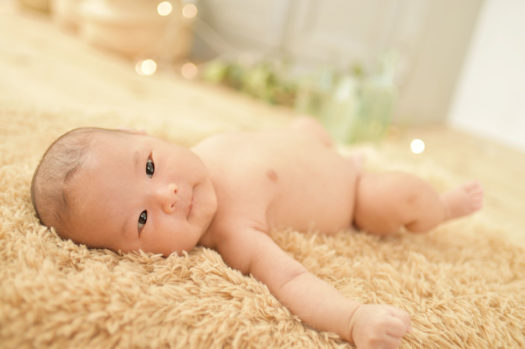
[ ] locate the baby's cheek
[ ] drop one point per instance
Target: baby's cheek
(185, 238)
(159, 241)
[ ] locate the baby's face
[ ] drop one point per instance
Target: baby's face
(138, 192)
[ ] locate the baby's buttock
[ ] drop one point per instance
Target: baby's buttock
(315, 192)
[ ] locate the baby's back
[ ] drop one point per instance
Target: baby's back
(285, 178)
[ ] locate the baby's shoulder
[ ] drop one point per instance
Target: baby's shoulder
(223, 140)
(238, 155)
(236, 241)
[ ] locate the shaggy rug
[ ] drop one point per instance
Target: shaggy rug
(463, 283)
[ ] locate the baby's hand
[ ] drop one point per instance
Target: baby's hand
(378, 326)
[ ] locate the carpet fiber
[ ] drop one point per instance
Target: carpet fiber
(463, 284)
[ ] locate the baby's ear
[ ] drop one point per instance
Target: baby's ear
(132, 130)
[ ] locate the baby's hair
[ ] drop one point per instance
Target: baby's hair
(59, 164)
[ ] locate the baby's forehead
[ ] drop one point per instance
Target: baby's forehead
(112, 144)
(102, 179)
(112, 136)
(113, 153)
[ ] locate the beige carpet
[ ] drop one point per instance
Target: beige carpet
(463, 283)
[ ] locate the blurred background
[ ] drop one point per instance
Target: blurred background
(362, 67)
(436, 86)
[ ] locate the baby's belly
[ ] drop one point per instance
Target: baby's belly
(318, 195)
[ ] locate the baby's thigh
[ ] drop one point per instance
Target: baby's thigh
(382, 201)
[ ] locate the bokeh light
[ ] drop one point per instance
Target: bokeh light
(164, 8)
(417, 146)
(189, 11)
(189, 70)
(146, 67)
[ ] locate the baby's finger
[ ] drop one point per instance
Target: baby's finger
(397, 328)
(403, 315)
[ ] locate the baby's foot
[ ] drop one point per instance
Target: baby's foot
(464, 200)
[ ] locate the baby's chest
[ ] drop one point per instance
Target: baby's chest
(300, 190)
(302, 186)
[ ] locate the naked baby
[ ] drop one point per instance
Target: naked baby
(128, 191)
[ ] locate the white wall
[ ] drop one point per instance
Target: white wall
(490, 98)
(430, 37)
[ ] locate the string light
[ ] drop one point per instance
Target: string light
(417, 146)
(189, 11)
(164, 8)
(189, 70)
(146, 67)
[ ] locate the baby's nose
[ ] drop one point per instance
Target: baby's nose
(167, 196)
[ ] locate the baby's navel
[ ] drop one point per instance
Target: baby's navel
(272, 175)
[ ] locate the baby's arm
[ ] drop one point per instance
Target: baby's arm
(317, 303)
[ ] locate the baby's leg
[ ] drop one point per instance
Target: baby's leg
(386, 202)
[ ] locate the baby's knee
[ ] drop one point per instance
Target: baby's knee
(421, 206)
(409, 189)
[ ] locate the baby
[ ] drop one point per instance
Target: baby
(127, 191)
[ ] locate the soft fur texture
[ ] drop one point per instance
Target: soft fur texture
(463, 283)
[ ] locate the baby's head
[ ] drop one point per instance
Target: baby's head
(123, 191)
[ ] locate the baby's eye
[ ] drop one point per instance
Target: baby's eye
(150, 167)
(143, 218)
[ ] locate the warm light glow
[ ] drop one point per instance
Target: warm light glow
(164, 8)
(189, 11)
(189, 70)
(417, 146)
(146, 67)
